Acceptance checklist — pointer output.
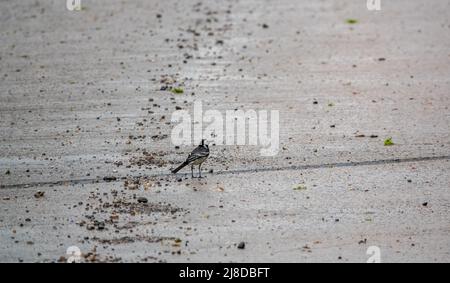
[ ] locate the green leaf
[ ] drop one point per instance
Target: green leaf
(300, 188)
(352, 21)
(177, 90)
(388, 142)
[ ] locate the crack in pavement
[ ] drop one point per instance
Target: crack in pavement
(240, 171)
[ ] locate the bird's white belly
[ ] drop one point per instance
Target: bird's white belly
(199, 161)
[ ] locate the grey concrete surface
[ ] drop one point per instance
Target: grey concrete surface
(81, 100)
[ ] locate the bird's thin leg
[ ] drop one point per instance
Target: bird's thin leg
(192, 171)
(200, 171)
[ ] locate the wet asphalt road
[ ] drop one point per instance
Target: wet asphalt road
(85, 122)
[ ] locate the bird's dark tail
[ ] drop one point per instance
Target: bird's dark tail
(180, 167)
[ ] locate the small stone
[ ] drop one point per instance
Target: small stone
(101, 226)
(133, 186)
(109, 179)
(241, 246)
(425, 204)
(39, 194)
(142, 200)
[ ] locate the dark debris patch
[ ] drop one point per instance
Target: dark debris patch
(133, 208)
(129, 239)
(149, 160)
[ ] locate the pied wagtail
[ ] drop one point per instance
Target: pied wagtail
(197, 157)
